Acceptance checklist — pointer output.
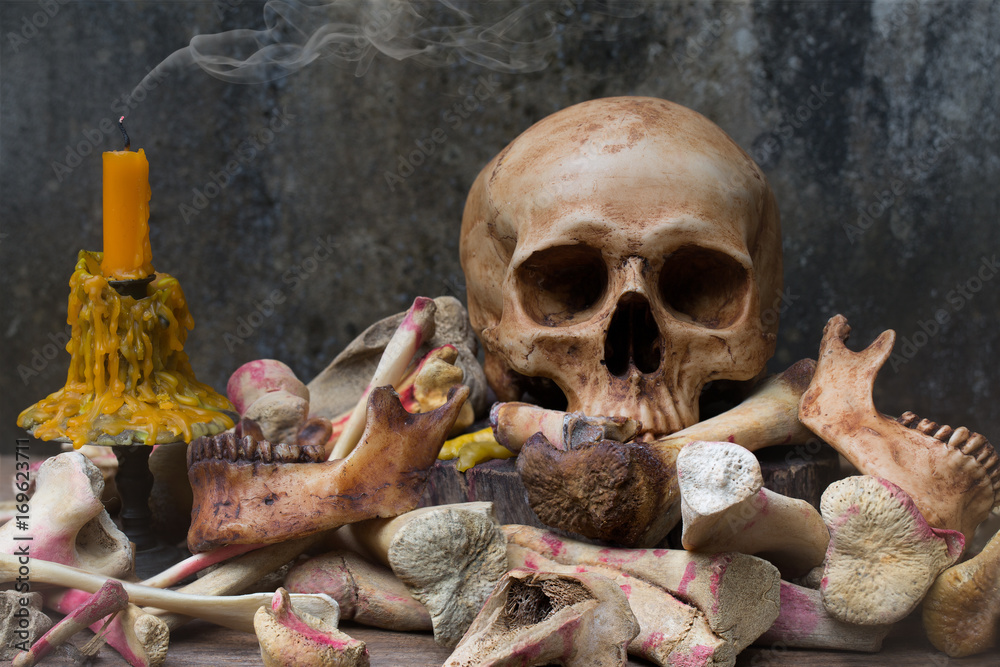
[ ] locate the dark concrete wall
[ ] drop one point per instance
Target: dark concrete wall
(886, 107)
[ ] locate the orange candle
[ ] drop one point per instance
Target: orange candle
(127, 254)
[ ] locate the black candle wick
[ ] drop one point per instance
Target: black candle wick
(121, 126)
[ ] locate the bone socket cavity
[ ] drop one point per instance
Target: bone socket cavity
(542, 618)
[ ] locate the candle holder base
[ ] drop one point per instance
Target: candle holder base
(135, 482)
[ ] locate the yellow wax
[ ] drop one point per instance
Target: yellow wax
(127, 254)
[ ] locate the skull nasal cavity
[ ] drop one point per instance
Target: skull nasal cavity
(633, 338)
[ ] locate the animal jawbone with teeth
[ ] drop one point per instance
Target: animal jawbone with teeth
(248, 491)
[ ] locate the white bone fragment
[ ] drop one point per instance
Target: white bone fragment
(725, 508)
(290, 637)
(415, 327)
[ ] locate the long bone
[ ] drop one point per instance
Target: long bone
(736, 593)
(804, 622)
(627, 493)
(235, 612)
(725, 508)
(241, 497)
(952, 475)
(670, 632)
(239, 574)
(367, 593)
(109, 599)
(962, 609)
(449, 556)
(141, 638)
(514, 423)
(417, 325)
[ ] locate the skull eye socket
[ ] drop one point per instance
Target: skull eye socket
(562, 285)
(706, 286)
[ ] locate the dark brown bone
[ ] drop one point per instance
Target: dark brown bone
(607, 490)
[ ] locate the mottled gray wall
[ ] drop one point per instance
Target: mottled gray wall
(888, 107)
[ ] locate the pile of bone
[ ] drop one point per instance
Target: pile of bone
(495, 591)
(295, 503)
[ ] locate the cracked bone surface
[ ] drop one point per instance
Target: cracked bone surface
(290, 637)
(109, 599)
(234, 612)
(736, 593)
(627, 493)
(449, 556)
(69, 525)
(952, 475)
(542, 618)
(962, 608)
(368, 593)
(670, 632)
(725, 508)
(804, 622)
(249, 492)
(883, 555)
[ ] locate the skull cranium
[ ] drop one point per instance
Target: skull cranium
(619, 249)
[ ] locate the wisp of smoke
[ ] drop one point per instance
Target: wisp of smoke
(353, 32)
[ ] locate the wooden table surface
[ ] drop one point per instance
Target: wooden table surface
(202, 645)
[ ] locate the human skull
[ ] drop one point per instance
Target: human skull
(620, 249)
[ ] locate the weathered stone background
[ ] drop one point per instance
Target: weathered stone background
(888, 107)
